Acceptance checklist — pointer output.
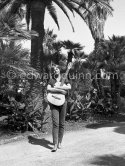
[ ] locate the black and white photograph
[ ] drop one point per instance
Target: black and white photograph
(62, 83)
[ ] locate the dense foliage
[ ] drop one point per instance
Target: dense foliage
(18, 105)
(95, 78)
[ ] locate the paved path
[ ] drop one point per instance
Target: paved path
(101, 146)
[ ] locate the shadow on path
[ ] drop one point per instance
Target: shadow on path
(42, 142)
(116, 121)
(120, 129)
(119, 126)
(109, 160)
(108, 124)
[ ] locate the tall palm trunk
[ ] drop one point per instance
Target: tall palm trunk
(98, 35)
(99, 80)
(37, 18)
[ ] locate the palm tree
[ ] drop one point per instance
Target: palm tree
(49, 39)
(71, 45)
(11, 30)
(13, 56)
(49, 44)
(112, 52)
(75, 49)
(96, 19)
(35, 9)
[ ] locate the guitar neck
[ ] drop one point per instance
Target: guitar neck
(64, 77)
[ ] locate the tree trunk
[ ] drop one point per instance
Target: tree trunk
(115, 88)
(37, 19)
(98, 80)
(37, 24)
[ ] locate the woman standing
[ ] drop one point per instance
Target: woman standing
(58, 112)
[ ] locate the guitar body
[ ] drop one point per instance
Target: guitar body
(56, 99)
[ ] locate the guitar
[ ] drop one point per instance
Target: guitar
(58, 99)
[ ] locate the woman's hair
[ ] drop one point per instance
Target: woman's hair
(52, 72)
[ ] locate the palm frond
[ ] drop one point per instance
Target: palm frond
(97, 8)
(57, 45)
(15, 7)
(4, 4)
(49, 39)
(71, 45)
(13, 54)
(62, 7)
(112, 50)
(12, 29)
(17, 59)
(28, 13)
(104, 3)
(76, 9)
(53, 14)
(100, 10)
(60, 3)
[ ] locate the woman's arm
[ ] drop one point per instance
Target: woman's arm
(54, 89)
(64, 87)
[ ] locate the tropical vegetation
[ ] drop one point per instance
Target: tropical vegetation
(95, 78)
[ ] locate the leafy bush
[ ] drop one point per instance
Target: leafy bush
(102, 106)
(90, 107)
(23, 112)
(77, 106)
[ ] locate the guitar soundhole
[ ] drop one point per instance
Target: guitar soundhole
(56, 97)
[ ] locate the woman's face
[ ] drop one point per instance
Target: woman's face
(57, 70)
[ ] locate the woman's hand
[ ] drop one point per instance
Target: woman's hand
(63, 87)
(54, 89)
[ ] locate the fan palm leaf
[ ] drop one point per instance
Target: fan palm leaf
(71, 45)
(95, 19)
(52, 12)
(37, 7)
(12, 28)
(72, 5)
(16, 59)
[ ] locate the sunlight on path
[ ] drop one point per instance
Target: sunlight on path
(101, 146)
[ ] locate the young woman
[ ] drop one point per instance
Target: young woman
(58, 112)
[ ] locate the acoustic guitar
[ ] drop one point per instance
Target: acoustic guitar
(58, 99)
